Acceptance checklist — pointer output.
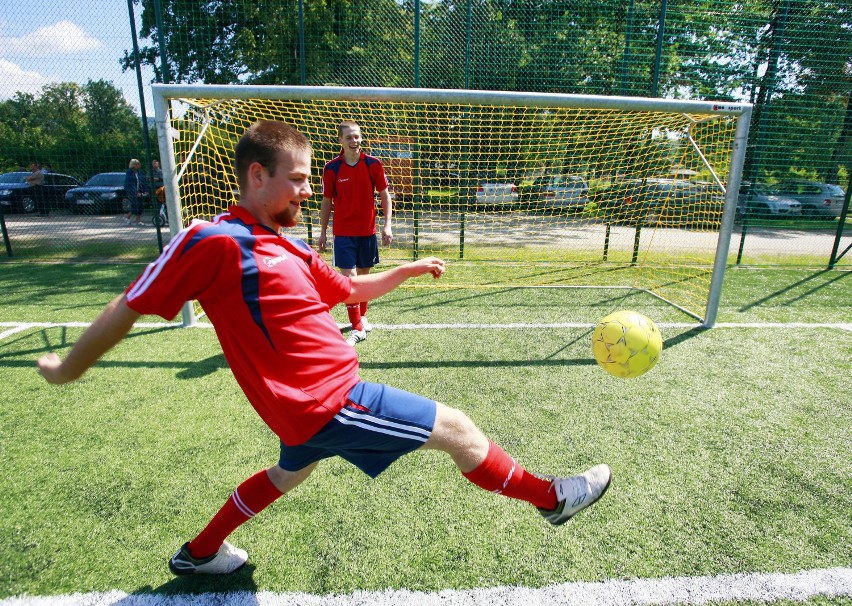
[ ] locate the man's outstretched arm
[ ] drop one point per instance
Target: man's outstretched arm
(107, 330)
(367, 287)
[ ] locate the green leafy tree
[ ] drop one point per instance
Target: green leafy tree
(78, 130)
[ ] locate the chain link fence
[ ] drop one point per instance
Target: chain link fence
(75, 98)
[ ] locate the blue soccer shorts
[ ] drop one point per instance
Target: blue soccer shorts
(378, 425)
(355, 251)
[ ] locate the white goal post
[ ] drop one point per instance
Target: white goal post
(587, 190)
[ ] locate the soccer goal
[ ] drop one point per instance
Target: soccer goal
(512, 189)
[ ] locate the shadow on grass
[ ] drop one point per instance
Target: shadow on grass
(684, 336)
(204, 367)
(238, 588)
(61, 341)
(807, 293)
(423, 364)
(211, 364)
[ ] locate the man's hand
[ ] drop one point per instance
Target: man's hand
(109, 328)
(322, 242)
(429, 265)
(49, 367)
(387, 236)
(366, 287)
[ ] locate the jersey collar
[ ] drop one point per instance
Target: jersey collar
(238, 212)
(243, 215)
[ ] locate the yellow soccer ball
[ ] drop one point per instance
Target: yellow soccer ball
(626, 344)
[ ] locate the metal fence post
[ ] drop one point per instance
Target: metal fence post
(841, 221)
(146, 137)
(754, 163)
(625, 61)
(661, 28)
(165, 72)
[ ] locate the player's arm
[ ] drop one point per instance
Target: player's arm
(106, 331)
(387, 209)
(325, 215)
(366, 287)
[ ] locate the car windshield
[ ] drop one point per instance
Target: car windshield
(766, 190)
(14, 178)
(106, 180)
(836, 190)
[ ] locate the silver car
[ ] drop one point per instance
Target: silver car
(764, 201)
(496, 194)
(560, 191)
(817, 199)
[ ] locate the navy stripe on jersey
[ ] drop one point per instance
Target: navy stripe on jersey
(334, 165)
(300, 244)
(241, 233)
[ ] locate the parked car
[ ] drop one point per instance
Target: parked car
(817, 199)
(17, 196)
(662, 201)
(496, 194)
(764, 201)
(102, 194)
(556, 191)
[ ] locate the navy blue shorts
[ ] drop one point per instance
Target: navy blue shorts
(378, 425)
(355, 251)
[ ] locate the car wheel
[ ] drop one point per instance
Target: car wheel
(28, 205)
(761, 211)
(809, 211)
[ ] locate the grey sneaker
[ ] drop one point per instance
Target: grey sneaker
(575, 494)
(367, 326)
(356, 336)
(225, 561)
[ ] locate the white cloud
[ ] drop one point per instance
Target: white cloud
(13, 79)
(62, 38)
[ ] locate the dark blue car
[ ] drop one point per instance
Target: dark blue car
(16, 196)
(102, 194)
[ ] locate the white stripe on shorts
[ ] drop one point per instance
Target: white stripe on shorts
(368, 421)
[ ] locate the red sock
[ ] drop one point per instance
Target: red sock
(501, 474)
(354, 312)
(249, 499)
(364, 308)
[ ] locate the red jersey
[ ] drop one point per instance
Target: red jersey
(269, 298)
(351, 190)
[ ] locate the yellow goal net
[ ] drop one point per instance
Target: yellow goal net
(512, 189)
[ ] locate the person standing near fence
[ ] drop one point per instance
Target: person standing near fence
(136, 189)
(156, 175)
(269, 296)
(36, 182)
(348, 183)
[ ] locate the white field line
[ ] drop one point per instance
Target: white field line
(16, 327)
(684, 591)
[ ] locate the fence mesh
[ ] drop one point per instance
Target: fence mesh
(69, 96)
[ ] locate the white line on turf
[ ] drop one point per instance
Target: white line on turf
(16, 327)
(684, 591)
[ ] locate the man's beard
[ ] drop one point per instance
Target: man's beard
(287, 218)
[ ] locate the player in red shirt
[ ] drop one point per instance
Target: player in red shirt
(269, 298)
(348, 183)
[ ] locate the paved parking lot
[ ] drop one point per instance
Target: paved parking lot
(501, 229)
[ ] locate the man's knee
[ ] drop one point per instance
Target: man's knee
(456, 434)
(285, 480)
(454, 427)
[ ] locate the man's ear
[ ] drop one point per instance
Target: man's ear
(256, 174)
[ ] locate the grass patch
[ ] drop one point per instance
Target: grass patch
(730, 456)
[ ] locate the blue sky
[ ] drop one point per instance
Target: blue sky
(70, 41)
